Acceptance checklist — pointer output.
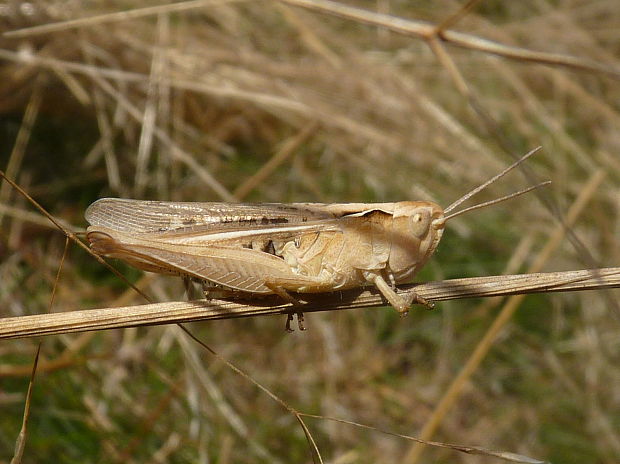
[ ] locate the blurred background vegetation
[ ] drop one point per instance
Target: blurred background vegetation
(265, 101)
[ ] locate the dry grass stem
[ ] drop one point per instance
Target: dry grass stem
(202, 310)
(426, 30)
(20, 442)
(116, 16)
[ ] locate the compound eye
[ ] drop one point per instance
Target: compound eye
(420, 223)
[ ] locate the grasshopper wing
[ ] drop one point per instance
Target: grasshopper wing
(241, 269)
(137, 216)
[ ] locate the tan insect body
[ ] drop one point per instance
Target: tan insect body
(276, 248)
(313, 247)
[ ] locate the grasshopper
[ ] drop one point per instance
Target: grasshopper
(276, 248)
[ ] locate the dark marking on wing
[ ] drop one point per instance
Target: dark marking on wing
(254, 220)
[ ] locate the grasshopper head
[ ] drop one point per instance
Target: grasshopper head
(417, 226)
(417, 229)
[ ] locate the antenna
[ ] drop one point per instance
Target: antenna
(467, 196)
(497, 200)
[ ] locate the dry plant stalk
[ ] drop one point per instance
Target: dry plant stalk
(428, 31)
(203, 310)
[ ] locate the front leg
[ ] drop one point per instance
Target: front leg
(398, 302)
